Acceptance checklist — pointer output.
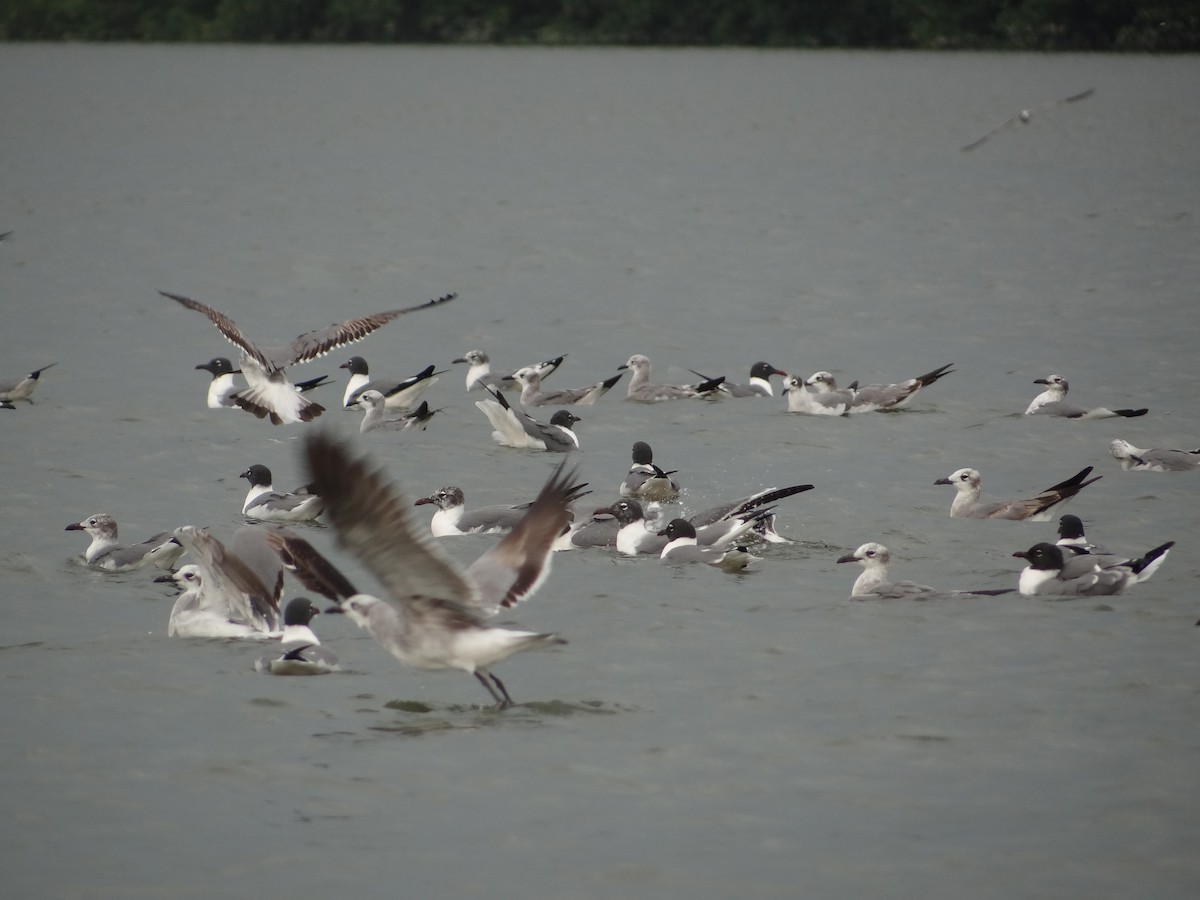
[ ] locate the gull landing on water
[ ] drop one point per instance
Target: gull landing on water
(268, 392)
(1025, 115)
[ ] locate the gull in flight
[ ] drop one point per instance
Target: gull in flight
(1025, 115)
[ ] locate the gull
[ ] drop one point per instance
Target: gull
(480, 374)
(516, 428)
(803, 397)
(764, 526)
(682, 547)
(967, 484)
(268, 392)
(1052, 402)
(638, 534)
(641, 390)
(223, 388)
(452, 517)
(759, 384)
(1024, 116)
(300, 651)
(398, 394)
(4, 404)
(1050, 573)
(600, 530)
(160, 551)
(896, 396)
(229, 592)
(21, 388)
(433, 613)
(263, 502)
(646, 481)
(1071, 536)
(1138, 459)
(533, 395)
(874, 581)
(376, 420)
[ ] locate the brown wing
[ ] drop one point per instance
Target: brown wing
(372, 522)
(225, 325)
(314, 344)
(520, 562)
(313, 570)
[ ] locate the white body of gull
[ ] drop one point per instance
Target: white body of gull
(104, 552)
(480, 374)
(376, 419)
(1051, 573)
(532, 394)
(682, 547)
(1026, 115)
(299, 651)
(266, 504)
(639, 533)
(874, 581)
(968, 485)
(516, 428)
(20, 388)
(642, 390)
(1052, 402)
(228, 592)
(802, 398)
(453, 518)
(1139, 459)
(433, 614)
(268, 392)
(397, 394)
(646, 481)
(885, 397)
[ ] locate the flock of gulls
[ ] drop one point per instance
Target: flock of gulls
(433, 613)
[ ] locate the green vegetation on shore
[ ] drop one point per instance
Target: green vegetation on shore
(1131, 25)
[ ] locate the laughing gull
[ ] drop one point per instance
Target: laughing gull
(805, 398)
(874, 581)
(1137, 459)
(764, 525)
(533, 395)
(452, 517)
(682, 547)
(758, 386)
(268, 392)
(480, 374)
(646, 481)
(1085, 574)
(896, 396)
(300, 651)
(641, 390)
(266, 504)
(1072, 538)
(967, 484)
(398, 394)
(20, 388)
(516, 428)
(434, 614)
(1052, 402)
(1025, 115)
(375, 419)
(223, 388)
(160, 551)
(599, 530)
(639, 534)
(232, 592)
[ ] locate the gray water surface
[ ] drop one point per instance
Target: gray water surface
(702, 735)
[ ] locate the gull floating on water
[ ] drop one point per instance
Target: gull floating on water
(1072, 538)
(104, 552)
(1053, 402)
(1025, 115)
(265, 503)
(20, 388)
(968, 486)
(300, 651)
(1051, 573)
(532, 394)
(759, 384)
(397, 394)
(1138, 459)
(683, 547)
(885, 397)
(874, 581)
(642, 390)
(819, 395)
(480, 374)
(375, 419)
(646, 481)
(268, 392)
(452, 517)
(433, 614)
(517, 428)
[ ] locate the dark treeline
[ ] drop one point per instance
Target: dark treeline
(1135, 25)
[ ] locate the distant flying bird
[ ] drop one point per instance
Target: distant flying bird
(1025, 115)
(268, 392)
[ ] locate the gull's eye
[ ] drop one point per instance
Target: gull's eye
(870, 553)
(964, 477)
